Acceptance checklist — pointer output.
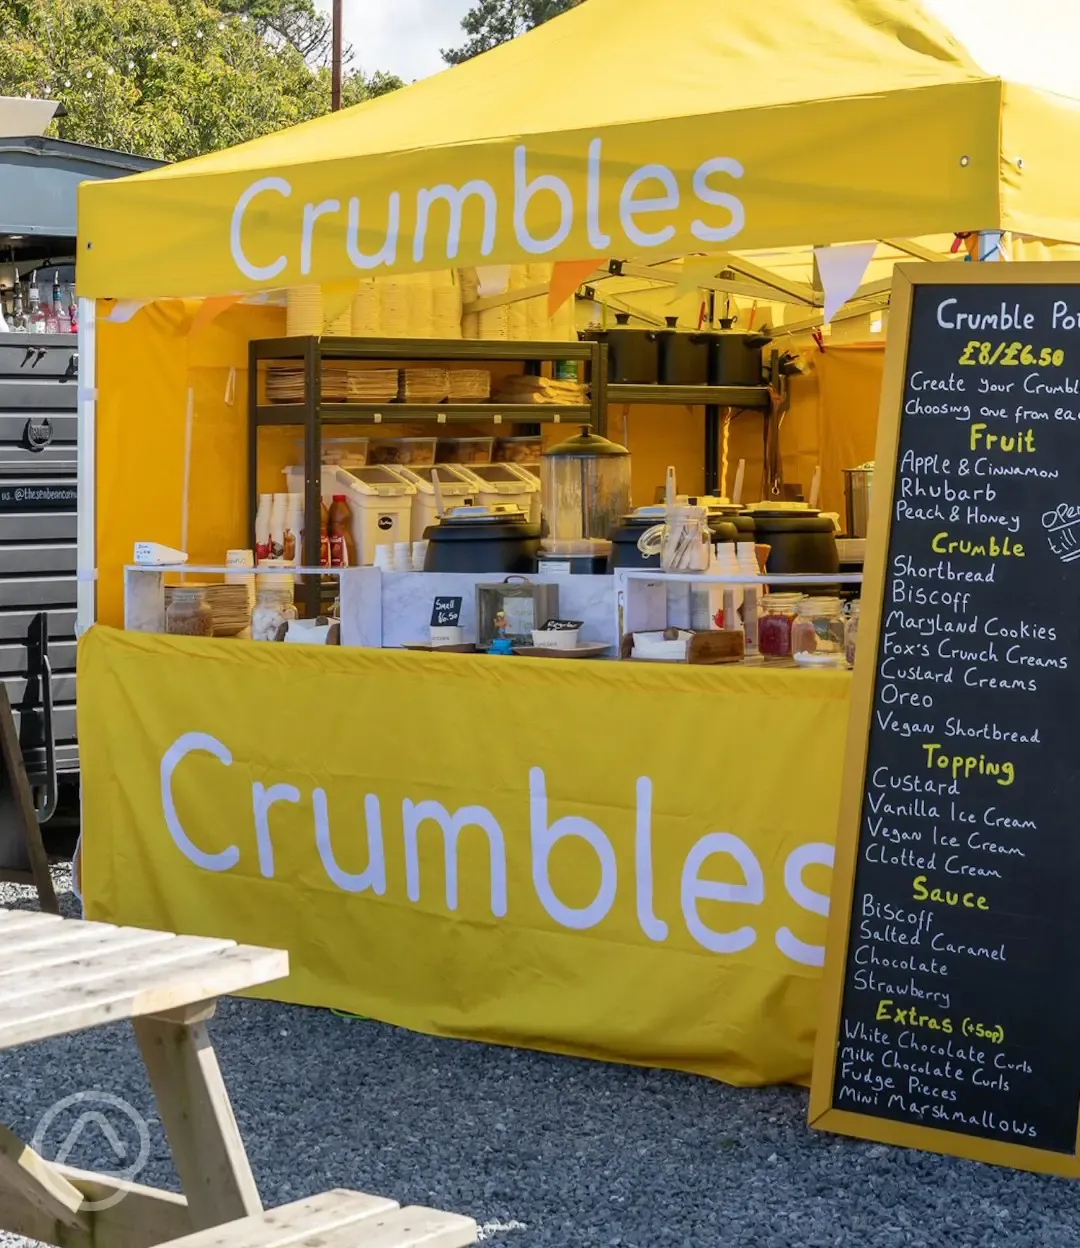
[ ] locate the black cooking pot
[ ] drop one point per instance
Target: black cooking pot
(734, 358)
(624, 539)
(486, 545)
(800, 543)
(633, 356)
(683, 356)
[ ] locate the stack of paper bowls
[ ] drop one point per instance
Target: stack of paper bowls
(341, 325)
(469, 285)
(538, 326)
(421, 293)
(366, 318)
(304, 311)
(517, 314)
(394, 304)
(446, 309)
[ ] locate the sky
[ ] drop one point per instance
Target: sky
(402, 37)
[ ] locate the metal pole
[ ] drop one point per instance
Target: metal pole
(86, 454)
(335, 62)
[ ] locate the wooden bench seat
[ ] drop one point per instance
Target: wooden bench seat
(339, 1219)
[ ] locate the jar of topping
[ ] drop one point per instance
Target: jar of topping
(851, 632)
(778, 612)
(273, 608)
(818, 627)
(189, 613)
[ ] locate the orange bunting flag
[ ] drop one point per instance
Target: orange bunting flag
(566, 277)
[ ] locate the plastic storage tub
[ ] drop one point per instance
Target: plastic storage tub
(505, 483)
(464, 450)
(458, 489)
(415, 452)
(381, 501)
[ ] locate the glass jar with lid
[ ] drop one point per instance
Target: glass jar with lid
(273, 607)
(851, 632)
(819, 627)
(189, 613)
(775, 622)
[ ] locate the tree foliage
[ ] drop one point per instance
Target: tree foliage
(491, 22)
(166, 78)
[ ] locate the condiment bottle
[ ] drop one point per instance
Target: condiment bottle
(294, 529)
(37, 316)
(277, 525)
(324, 537)
(55, 309)
(339, 528)
(262, 528)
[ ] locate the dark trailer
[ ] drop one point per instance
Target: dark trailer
(38, 445)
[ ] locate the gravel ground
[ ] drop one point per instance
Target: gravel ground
(545, 1152)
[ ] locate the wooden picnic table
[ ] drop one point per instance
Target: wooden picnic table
(59, 976)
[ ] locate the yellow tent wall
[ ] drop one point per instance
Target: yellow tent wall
(145, 368)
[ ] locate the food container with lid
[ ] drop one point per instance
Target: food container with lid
(818, 628)
(683, 356)
(482, 539)
(456, 487)
(381, 502)
(523, 450)
(464, 450)
(189, 613)
(352, 452)
(775, 621)
(734, 357)
(416, 452)
(586, 488)
(503, 485)
(801, 542)
(633, 355)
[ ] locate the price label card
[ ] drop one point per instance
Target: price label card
(951, 1013)
(446, 612)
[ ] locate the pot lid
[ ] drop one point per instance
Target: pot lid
(501, 513)
(585, 445)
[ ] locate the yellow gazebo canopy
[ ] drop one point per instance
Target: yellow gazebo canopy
(625, 128)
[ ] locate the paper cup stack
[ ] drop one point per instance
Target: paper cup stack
(470, 292)
(446, 310)
(304, 311)
(517, 314)
(394, 307)
(366, 318)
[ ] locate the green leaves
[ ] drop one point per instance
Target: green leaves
(170, 78)
(491, 22)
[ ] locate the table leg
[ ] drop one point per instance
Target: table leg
(194, 1106)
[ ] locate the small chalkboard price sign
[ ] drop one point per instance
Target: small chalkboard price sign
(951, 1006)
(446, 612)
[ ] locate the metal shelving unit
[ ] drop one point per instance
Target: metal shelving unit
(313, 414)
(712, 399)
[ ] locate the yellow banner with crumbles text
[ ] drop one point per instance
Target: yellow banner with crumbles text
(616, 860)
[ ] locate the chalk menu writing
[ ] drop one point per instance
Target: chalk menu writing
(960, 1005)
(445, 612)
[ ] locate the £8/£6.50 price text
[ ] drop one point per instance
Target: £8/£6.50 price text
(1012, 353)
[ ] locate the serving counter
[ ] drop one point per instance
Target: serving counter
(609, 859)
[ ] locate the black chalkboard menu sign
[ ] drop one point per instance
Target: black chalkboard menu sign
(952, 1011)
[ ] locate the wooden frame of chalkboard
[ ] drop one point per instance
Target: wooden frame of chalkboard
(966, 1127)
